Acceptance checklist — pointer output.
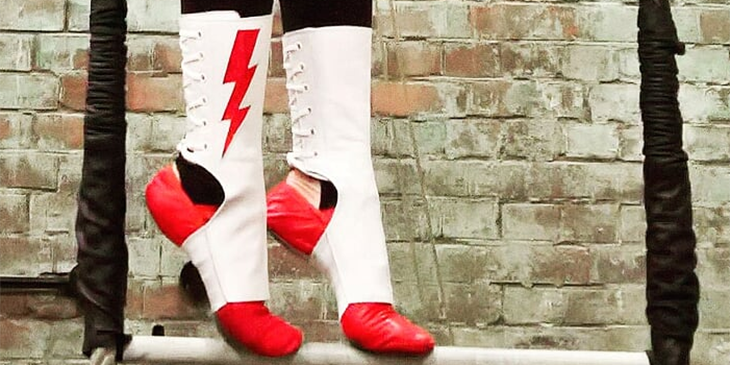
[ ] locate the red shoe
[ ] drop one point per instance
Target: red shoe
(248, 324)
(251, 325)
(375, 327)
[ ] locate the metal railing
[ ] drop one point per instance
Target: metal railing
(186, 350)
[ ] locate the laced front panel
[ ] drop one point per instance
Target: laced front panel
(295, 88)
(195, 98)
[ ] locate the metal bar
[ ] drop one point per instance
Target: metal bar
(56, 283)
(44, 283)
(187, 350)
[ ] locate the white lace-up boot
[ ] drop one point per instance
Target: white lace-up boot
(225, 61)
(328, 79)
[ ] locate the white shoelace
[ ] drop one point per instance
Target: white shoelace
(192, 77)
(294, 89)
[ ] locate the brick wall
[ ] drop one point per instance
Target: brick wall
(507, 145)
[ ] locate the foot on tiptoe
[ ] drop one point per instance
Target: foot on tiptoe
(293, 218)
(247, 324)
(377, 327)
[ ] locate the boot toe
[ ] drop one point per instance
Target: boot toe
(251, 326)
(378, 328)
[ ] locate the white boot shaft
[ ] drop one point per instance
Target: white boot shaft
(225, 62)
(328, 79)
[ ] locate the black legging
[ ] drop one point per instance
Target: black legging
(295, 14)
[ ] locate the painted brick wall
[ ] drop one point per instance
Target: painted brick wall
(507, 145)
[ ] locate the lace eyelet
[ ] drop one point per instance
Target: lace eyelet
(311, 131)
(305, 87)
(299, 45)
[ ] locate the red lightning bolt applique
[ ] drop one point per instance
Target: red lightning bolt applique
(240, 73)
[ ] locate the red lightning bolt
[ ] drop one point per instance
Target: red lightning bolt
(240, 73)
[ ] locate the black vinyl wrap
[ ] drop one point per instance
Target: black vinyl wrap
(672, 287)
(101, 282)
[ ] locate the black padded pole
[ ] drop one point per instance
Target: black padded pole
(672, 288)
(102, 251)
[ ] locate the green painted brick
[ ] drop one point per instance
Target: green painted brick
(29, 91)
(61, 52)
(32, 15)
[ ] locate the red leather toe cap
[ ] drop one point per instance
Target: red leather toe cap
(377, 327)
